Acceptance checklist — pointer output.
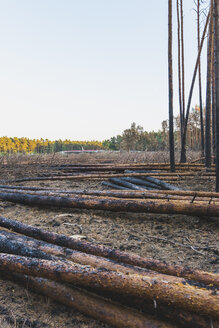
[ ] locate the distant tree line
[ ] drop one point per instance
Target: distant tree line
(132, 139)
(44, 146)
(136, 139)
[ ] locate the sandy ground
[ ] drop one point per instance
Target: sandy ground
(171, 238)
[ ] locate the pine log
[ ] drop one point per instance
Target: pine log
(12, 243)
(113, 254)
(85, 301)
(123, 183)
(106, 176)
(156, 182)
(168, 290)
(89, 304)
(187, 195)
(114, 186)
(142, 182)
(112, 204)
(86, 194)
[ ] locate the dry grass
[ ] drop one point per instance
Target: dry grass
(105, 157)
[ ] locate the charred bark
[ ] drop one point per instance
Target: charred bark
(113, 254)
(168, 290)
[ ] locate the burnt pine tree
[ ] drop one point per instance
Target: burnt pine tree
(213, 100)
(182, 58)
(179, 69)
(183, 142)
(216, 73)
(208, 95)
(200, 80)
(170, 79)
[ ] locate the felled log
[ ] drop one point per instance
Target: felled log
(112, 204)
(91, 304)
(88, 303)
(114, 186)
(98, 176)
(168, 290)
(121, 182)
(12, 243)
(112, 193)
(141, 182)
(170, 314)
(157, 182)
(118, 167)
(114, 254)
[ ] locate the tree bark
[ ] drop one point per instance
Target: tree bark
(106, 252)
(216, 72)
(170, 79)
(105, 310)
(90, 304)
(117, 205)
(168, 290)
(200, 82)
(208, 96)
(183, 149)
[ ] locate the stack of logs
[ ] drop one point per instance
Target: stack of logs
(142, 182)
(138, 201)
(119, 288)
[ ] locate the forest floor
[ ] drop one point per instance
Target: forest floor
(176, 239)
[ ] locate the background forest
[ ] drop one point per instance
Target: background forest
(132, 139)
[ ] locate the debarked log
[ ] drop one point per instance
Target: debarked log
(127, 184)
(141, 182)
(158, 182)
(168, 290)
(114, 186)
(114, 254)
(136, 206)
(90, 304)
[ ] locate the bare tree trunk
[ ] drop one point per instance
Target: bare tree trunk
(183, 147)
(179, 70)
(200, 82)
(216, 71)
(208, 99)
(182, 58)
(170, 72)
(213, 100)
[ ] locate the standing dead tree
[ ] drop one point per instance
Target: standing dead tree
(170, 78)
(208, 94)
(199, 79)
(183, 142)
(216, 72)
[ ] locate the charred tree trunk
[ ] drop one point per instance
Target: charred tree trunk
(179, 69)
(183, 146)
(116, 205)
(208, 97)
(213, 105)
(105, 310)
(216, 72)
(200, 82)
(88, 303)
(84, 247)
(168, 290)
(170, 74)
(182, 58)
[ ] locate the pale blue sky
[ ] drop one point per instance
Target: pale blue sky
(86, 69)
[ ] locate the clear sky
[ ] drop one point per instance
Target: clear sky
(86, 69)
